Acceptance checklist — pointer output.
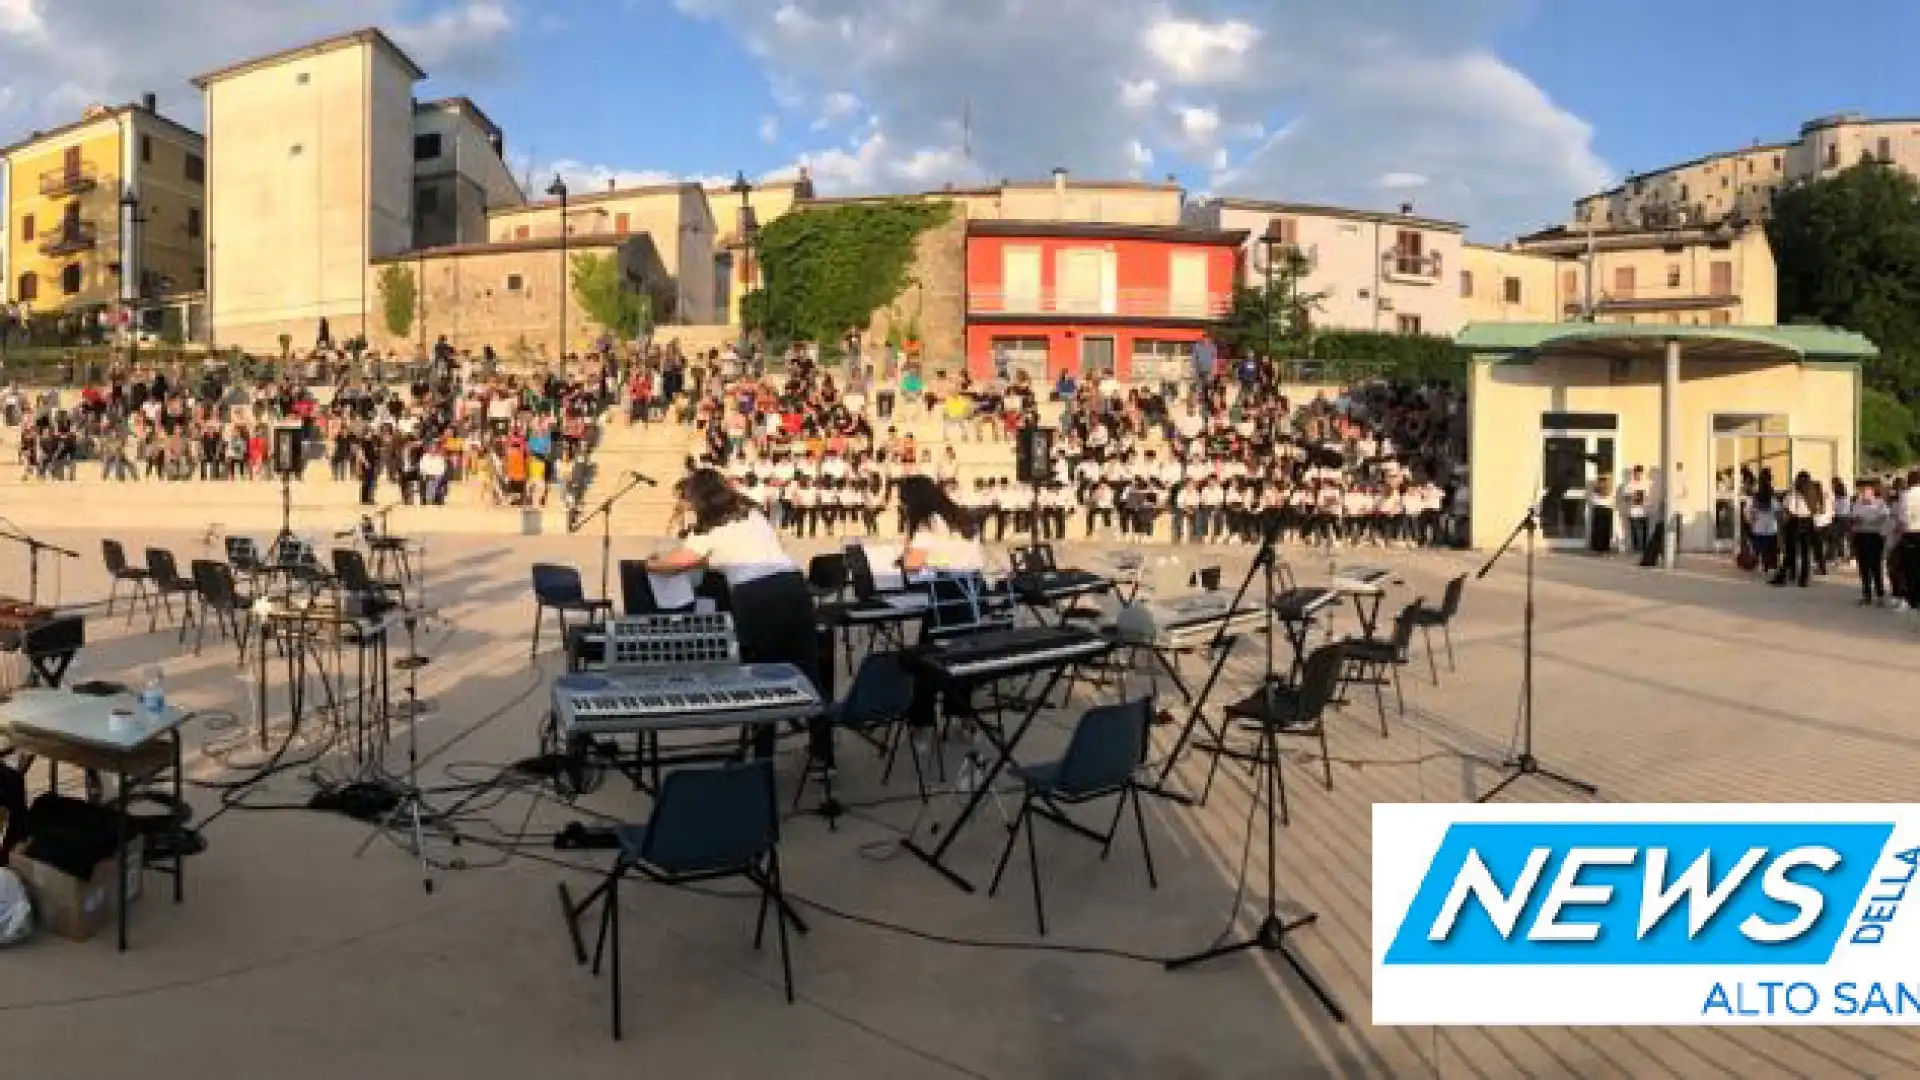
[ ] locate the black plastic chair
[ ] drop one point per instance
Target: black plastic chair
(1428, 618)
(350, 575)
(1102, 759)
(707, 824)
(168, 583)
(1296, 712)
(1376, 662)
(221, 596)
(557, 588)
(827, 576)
(119, 570)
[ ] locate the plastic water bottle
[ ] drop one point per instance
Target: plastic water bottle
(153, 694)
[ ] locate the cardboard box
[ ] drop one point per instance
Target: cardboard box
(75, 909)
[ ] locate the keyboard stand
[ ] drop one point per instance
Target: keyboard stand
(1003, 746)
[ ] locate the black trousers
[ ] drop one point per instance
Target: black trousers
(1870, 553)
(1909, 555)
(780, 630)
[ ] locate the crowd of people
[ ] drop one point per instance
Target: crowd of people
(1789, 536)
(514, 437)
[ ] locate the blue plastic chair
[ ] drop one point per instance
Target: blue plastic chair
(877, 708)
(1102, 759)
(557, 588)
(708, 824)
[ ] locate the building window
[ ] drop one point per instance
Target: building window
(1720, 277)
(71, 279)
(522, 232)
(515, 283)
(1720, 318)
(1512, 290)
(1408, 324)
(196, 169)
(1884, 149)
(200, 278)
(1466, 283)
(302, 79)
(1833, 155)
(193, 222)
(622, 223)
(427, 200)
(1749, 166)
(1673, 275)
(426, 147)
(146, 149)
(1683, 193)
(29, 286)
(296, 150)
(1623, 283)
(26, 228)
(1023, 354)
(1289, 229)
(1161, 360)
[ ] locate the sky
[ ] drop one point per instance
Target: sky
(1495, 113)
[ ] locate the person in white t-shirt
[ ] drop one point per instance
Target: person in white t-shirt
(732, 538)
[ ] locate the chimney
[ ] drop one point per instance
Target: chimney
(1406, 209)
(1060, 181)
(612, 185)
(150, 102)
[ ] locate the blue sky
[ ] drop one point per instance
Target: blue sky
(1494, 112)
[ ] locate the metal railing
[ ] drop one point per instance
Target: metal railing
(1411, 266)
(1125, 303)
(69, 180)
(70, 237)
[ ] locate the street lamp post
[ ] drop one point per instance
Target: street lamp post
(559, 191)
(744, 188)
(129, 284)
(1272, 240)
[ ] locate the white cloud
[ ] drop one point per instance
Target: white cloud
(1199, 52)
(58, 55)
(769, 129)
(1310, 100)
(835, 108)
(1138, 94)
(1400, 181)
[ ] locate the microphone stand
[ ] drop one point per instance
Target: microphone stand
(1524, 763)
(605, 513)
(34, 548)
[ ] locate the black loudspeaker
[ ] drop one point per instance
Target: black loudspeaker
(1033, 456)
(288, 442)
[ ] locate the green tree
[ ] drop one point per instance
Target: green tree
(1272, 314)
(1848, 255)
(398, 297)
(826, 269)
(609, 299)
(1887, 430)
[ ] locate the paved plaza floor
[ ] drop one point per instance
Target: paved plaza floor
(293, 958)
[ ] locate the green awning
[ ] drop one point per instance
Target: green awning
(1625, 341)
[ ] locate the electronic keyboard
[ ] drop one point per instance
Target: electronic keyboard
(1299, 605)
(707, 697)
(1004, 654)
(1180, 622)
(1052, 586)
(1361, 580)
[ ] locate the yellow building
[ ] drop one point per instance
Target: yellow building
(65, 215)
(1501, 284)
(676, 217)
(734, 273)
(1554, 406)
(1717, 276)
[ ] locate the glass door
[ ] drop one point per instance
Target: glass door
(1576, 449)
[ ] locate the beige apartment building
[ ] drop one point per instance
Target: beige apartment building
(676, 219)
(1503, 284)
(1741, 185)
(1393, 272)
(1722, 276)
(319, 162)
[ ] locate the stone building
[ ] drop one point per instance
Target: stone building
(510, 295)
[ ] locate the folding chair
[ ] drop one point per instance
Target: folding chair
(1442, 617)
(167, 581)
(707, 824)
(118, 570)
(1375, 662)
(1102, 758)
(219, 595)
(1298, 711)
(878, 708)
(557, 588)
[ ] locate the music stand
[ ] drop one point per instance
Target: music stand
(34, 548)
(1271, 935)
(1523, 763)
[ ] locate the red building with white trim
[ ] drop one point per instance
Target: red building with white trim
(1089, 297)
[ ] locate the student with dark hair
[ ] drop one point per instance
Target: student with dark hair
(1870, 519)
(729, 535)
(1763, 518)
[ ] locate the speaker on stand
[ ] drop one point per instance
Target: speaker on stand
(289, 443)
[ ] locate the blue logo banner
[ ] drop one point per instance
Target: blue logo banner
(1639, 893)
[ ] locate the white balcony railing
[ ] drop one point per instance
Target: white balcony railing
(1125, 304)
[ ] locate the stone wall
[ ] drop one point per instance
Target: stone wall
(937, 295)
